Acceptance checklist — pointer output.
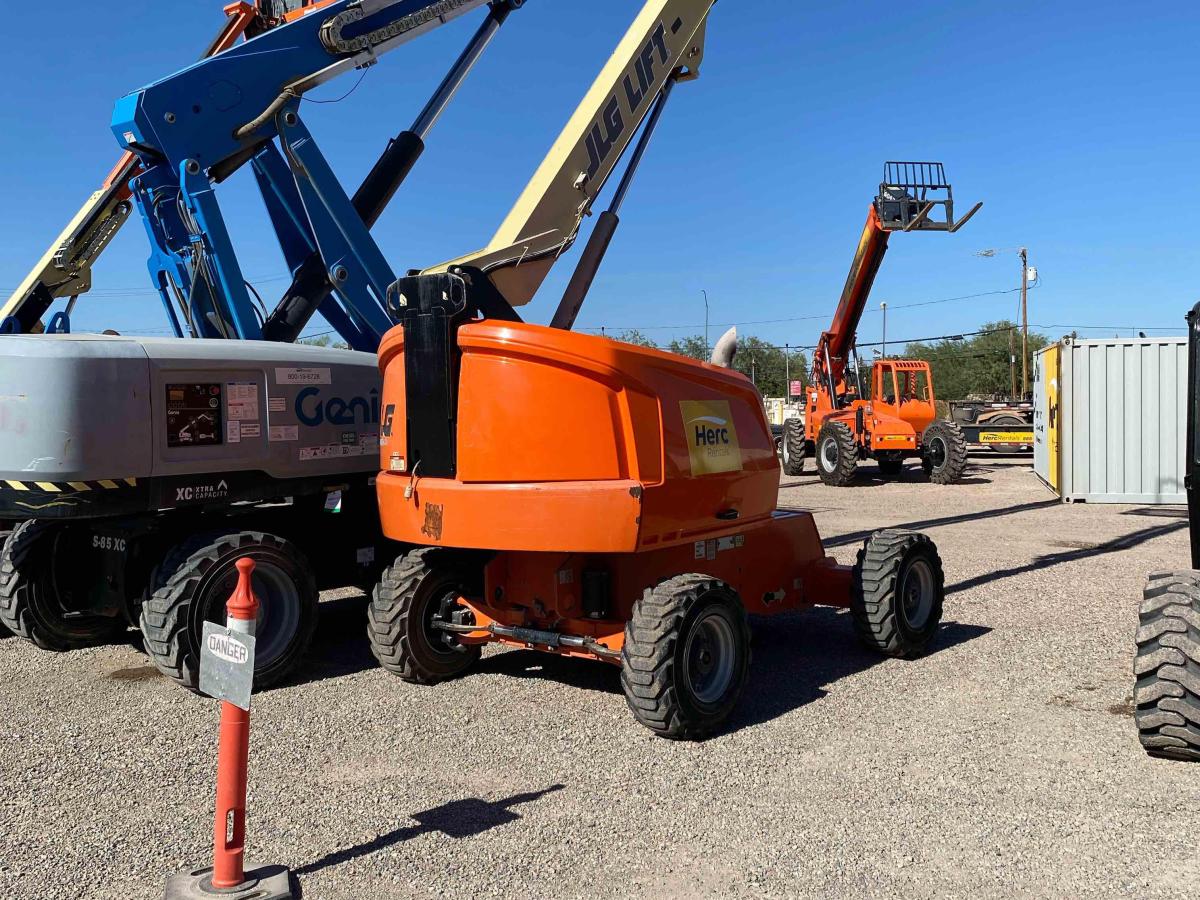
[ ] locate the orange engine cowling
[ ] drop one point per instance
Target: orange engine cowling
(576, 443)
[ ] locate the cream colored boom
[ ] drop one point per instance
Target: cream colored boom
(66, 268)
(665, 42)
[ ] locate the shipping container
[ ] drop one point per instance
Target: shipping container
(1109, 419)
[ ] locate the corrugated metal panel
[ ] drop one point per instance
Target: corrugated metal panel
(1123, 415)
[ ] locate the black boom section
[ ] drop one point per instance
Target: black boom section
(430, 308)
(1192, 471)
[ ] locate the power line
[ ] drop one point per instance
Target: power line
(822, 317)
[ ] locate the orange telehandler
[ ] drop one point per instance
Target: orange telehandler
(586, 497)
(842, 423)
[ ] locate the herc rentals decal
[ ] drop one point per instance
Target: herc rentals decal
(711, 436)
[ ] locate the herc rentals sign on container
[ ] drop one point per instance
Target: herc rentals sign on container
(1110, 419)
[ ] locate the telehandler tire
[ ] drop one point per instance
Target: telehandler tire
(944, 452)
(195, 580)
(898, 592)
(29, 596)
(407, 600)
(686, 656)
(794, 447)
(1167, 667)
(837, 454)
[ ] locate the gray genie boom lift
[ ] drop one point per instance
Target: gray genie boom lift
(136, 471)
(166, 460)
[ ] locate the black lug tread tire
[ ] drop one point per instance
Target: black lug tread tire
(4, 629)
(389, 620)
(795, 447)
(874, 604)
(847, 461)
(891, 468)
(953, 469)
(26, 607)
(1167, 667)
(649, 661)
(166, 616)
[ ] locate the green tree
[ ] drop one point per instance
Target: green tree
(692, 347)
(979, 364)
(323, 340)
(633, 336)
(766, 364)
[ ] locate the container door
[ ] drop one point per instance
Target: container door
(1046, 417)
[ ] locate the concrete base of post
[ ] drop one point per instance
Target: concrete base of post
(262, 883)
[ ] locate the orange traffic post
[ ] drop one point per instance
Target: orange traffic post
(230, 876)
(233, 754)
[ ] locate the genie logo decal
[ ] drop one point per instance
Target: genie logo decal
(711, 437)
(313, 408)
(616, 117)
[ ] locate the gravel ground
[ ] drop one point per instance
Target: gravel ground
(1004, 763)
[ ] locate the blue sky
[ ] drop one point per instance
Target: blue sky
(1074, 122)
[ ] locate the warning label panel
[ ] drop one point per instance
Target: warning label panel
(241, 399)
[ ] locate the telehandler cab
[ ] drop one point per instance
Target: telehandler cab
(898, 419)
(638, 524)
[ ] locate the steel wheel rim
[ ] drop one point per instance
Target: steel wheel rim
(916, 594)
(938, 452)
(787, 457)
(441, 643)
(278, 618)
(829, 454)
(708, 658)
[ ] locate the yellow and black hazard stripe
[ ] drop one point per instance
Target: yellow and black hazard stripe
(69, 487)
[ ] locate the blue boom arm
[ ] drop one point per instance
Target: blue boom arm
(195, 128)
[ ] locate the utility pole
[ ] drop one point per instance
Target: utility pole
(1024, 324)
(706, 347)
(1012, 360)
(787, 370)
(883, 306)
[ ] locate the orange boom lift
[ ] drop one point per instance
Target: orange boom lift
(843, 423)
(590, 498)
